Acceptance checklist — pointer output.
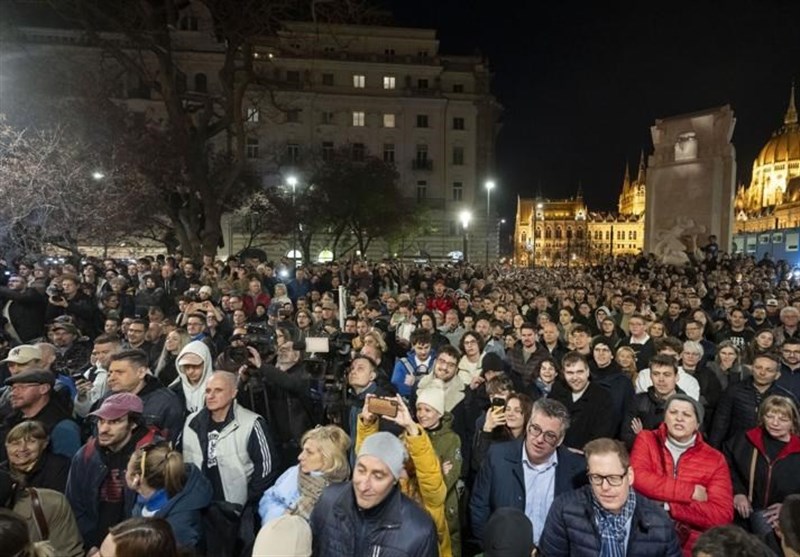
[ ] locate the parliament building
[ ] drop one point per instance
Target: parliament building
(564, 231)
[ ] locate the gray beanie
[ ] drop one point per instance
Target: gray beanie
(699, 411)
(387, 448)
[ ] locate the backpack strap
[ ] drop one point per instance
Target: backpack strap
(753, 460)
(38, 514)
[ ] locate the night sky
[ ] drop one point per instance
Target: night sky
(582, 83)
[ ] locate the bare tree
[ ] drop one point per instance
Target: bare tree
(57, 188)
(205, 131)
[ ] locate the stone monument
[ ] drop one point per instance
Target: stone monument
(690, 184)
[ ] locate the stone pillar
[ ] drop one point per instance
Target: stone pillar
(691, 179)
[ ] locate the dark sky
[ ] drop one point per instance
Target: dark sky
(582, 83)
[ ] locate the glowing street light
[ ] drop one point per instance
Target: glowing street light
(292, 181)
(98, 175)
(465, 216)
(489, 187)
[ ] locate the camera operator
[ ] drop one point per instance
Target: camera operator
(289, 394)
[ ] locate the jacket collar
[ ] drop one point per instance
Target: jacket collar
(756, 437)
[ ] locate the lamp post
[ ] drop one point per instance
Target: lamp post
(292, 181)
(489, 187)
(465, 216)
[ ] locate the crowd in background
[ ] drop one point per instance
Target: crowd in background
(177, 407)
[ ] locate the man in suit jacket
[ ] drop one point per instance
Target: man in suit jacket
(528, 473)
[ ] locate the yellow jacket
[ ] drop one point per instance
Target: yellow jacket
(427, 485)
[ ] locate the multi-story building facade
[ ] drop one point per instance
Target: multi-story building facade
(386, 91)
(559, 232)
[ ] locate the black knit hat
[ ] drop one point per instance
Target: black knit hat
(492, 362)
(508, 533)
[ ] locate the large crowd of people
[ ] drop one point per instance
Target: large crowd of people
(165, 406)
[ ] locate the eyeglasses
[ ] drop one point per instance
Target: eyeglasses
(777, 417)
(450, 365)
(614, 480)
(550, 437)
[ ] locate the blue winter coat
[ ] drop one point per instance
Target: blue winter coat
(184, 510)
(501, 481)
(402, 528)
(571, 531)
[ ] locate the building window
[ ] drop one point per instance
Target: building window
(388, 82)
(293, 76)
(458, 191)
(292, 153)
(188, 23)
(422, 55)
(327, 79)
(358, 152)
(422, 190)
(458, 156)
(388, 120)
(388, 52)
(201, 83)
(388, 152)
(251, 148)
(547, 233)
(358, 119)
(253, 114)
(422, 120)
(327, 151)
(422, 154)
(458, 88)
(558, 233)
(327, 118)
(293, 116)
(579, 234)
(422, 84)
(359, 81)
(458, 123)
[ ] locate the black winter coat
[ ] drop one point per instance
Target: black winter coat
(398, 527)
(570, 529)
(737, 410)
(774, 479)
(26, 311)
(649, 408)
(591, 416)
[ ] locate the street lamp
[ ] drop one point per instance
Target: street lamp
(489, 187)
(292, 181)
(98, 175)
(465, 216)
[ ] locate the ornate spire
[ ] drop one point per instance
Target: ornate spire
(626, 182)
(641, 178)
(791, 112)
(579, 194)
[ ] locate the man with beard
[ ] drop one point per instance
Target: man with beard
(23, 308)
(96, 487)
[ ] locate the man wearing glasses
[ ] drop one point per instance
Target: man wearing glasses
(528, 473)
(608, 518)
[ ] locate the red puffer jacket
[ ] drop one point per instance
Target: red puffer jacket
(657, 477)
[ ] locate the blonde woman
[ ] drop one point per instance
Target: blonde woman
(626, 360)
(168, 488)
(322, 461)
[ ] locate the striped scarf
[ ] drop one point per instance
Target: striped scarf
(612, 527)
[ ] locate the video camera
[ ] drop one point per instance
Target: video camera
(261, 337)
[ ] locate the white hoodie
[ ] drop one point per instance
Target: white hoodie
(195, 394)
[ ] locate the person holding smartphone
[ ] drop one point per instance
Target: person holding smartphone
(425, 481)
